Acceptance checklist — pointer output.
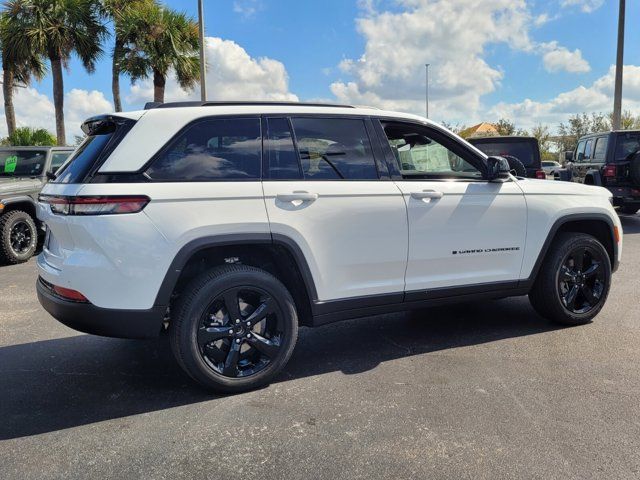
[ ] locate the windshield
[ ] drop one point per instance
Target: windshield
(523, 151)
(20, 163)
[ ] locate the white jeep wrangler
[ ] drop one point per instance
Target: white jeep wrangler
(233, 223)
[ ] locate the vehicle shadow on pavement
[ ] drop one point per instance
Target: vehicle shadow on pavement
(62, 383)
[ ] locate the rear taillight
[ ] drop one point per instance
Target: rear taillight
(107, 205)
(541, 175)
(609, 171)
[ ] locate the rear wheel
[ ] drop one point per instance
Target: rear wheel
(573, 283)
(234, 328)
(18, 237)
(629, 209)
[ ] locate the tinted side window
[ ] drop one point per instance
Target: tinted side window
(282, 159)
(580, 152)
(600, 151)
(627, 145)
(57, 159)
(211, 149)
(587, 150)
(334, 149)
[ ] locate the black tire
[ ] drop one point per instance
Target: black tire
(516, 165)
(634, 169)
(18, 237)
(206, 340)
(629, 209)
(552, 291)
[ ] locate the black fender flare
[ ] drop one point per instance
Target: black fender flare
(20, 199)
(595, 175)
(193, 247)
(554, 230)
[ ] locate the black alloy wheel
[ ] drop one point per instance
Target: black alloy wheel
(240, 332)
(581, 280)
(233, 328)
(20, 237)
(573, 282)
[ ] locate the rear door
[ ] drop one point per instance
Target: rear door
(323, 191)
(463, 230)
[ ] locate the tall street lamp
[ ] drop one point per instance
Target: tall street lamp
(617, 96)
(203, 60)
(427, 87)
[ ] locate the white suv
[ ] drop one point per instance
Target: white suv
(233, 223)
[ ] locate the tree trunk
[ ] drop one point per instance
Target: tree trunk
(7, 91)
(58, 97)
(115, 75)
(158, 86)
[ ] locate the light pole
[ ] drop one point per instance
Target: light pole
(427, 86)
(617, 96)
(203, 60)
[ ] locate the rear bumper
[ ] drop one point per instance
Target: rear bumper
(106, 322)
(625, 196)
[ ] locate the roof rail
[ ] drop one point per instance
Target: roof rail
(223, 103)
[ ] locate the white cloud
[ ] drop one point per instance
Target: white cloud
(35, 109)
(598, 97)
(231, 75)
(247, 8)
(559, 58)
(451, 35)
(586, 6)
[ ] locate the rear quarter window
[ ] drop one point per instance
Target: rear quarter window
(210, 150)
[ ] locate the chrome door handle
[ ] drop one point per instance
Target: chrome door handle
(427, 194)
(297, 196)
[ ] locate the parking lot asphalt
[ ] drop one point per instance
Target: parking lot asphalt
(487, 390)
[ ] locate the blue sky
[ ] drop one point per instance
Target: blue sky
(535, 61)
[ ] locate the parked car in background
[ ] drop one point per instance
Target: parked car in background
(550, 167)
(23, 173)
(522, 153)
(610, 160)
(234, 223)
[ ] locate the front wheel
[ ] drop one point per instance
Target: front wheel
(574, 281)
(234, 328)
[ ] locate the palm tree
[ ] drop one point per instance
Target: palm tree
(57, 29)
(158, 40)
(20, 63)
(117, 11)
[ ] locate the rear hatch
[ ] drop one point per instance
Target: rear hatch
(104, 133)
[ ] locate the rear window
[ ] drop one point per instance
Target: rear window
(627, 146)
(523, 151)
(104, 136)
(21, 163)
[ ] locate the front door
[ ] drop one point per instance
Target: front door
(463, 230)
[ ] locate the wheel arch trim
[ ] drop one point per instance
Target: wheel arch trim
(193, 247)
(598, 217)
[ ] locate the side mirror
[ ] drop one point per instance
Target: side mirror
(568, 156)
(497, 167)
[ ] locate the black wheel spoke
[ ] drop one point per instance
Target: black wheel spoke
(570, 297)
(264, 345)
(232, 304)
(589, 296)
(230, 367)
(592, 270)
(566, 275)
(578, 259)
(211, 334)
(264, 309)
